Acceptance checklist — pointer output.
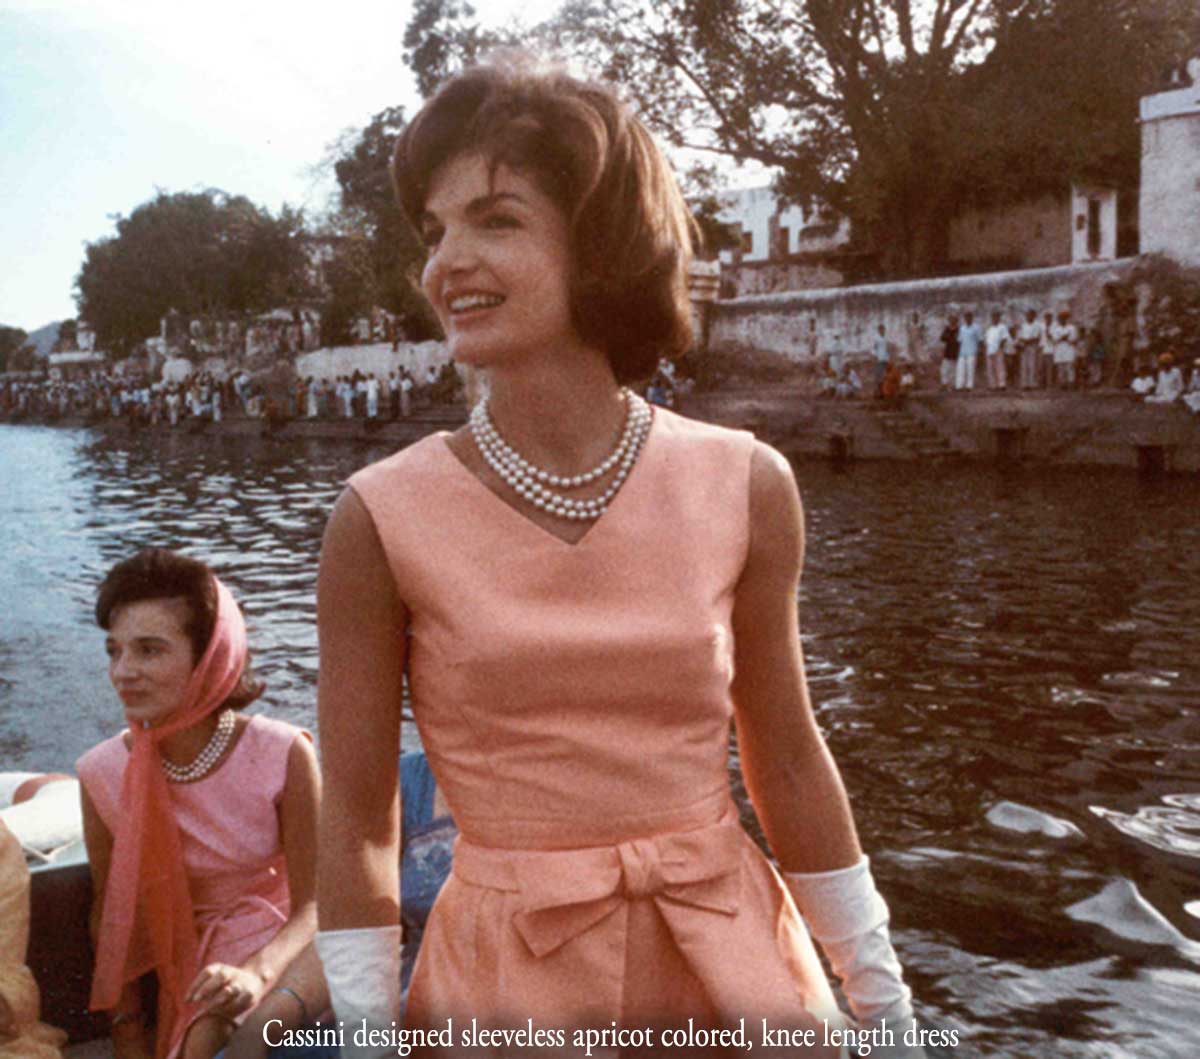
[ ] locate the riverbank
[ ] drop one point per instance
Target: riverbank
(1087, 428)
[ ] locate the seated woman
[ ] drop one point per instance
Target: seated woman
(199, 822)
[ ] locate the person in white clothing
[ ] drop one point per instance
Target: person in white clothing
(1192, 397)
(970, 336)
(371, 385)
(997, 342)
(406, 388)
(1169, 385)
(1065, 337)
(1047, 359)
(1029, 345)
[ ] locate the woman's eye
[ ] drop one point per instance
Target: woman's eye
(500, 220)
(431, 237)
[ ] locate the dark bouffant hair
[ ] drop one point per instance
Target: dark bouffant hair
(630, 231)
(158, 573)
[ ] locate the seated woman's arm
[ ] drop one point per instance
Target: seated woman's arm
(298, 997)
(230, 991)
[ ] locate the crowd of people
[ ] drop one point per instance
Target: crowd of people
(1042, 351)
(205, 397)
(366, 395)
(102, 395)
(1166, 385)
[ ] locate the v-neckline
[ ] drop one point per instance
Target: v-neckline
(531, 526)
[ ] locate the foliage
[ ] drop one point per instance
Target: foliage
(201, 253)
(741, 366)
(68, 334)
(15, 353)
(350, 290)
(441, 38)
(894, 112)
(393, 252)
(1170, 300)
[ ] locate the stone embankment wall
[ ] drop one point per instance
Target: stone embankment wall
(1048, 428)
(786, 323)
(378, 358)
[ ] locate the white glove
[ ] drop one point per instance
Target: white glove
(846, 914)
(362, 971)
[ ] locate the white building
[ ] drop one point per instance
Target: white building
(769, 232)
(1169, 200)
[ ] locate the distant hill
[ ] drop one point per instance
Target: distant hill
(43, 338)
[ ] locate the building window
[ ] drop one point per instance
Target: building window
(1093, 228)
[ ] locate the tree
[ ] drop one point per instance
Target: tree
(202, 253)
(68, 334)
(894, 112)
(15, 352)
(441, 38)
(369, 213)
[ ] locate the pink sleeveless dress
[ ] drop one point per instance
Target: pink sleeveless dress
(574, 702)
(229, 830)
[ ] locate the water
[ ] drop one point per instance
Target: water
(1006, 665)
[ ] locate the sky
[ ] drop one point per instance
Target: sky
(104, 102)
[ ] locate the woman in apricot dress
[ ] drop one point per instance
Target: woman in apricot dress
(579, 624)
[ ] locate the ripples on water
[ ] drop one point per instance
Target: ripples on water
(1006, 665)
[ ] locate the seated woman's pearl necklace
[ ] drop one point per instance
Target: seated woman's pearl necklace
(533, 483)
(202, 764)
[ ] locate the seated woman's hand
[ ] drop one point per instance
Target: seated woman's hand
(227, 990)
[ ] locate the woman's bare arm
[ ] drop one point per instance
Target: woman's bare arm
(791, 777)
(245, 986)
(361, 624)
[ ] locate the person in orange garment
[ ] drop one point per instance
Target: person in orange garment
(582, 592)
(22, 1035)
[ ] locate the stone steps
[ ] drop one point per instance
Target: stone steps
(918, 437)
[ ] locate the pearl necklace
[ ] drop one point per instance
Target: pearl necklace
(202, 764)
(533, 483)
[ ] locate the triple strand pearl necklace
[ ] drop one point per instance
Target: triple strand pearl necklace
(202, 764)
(541, 487)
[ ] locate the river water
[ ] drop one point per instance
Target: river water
(1006, 665)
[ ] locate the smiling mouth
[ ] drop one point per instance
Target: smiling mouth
(465, 303)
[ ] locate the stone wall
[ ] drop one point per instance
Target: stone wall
(378, 358)
(784, 323)
(1033, 234)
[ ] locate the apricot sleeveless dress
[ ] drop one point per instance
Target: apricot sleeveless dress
(574, 702)
(229, 831)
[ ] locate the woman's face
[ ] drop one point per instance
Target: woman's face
(499, 263)
(149, 657)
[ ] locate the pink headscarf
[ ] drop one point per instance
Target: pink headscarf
(148, 918)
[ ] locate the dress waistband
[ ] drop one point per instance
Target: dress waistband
(564, 892)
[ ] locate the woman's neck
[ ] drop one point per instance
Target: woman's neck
(181, 748)
(563, 416)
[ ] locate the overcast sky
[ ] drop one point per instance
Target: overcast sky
(104, 101)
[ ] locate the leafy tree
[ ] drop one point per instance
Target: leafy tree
(13, 349)
(441, 38)
(369, 211)
(202, 253)
(894, 112)
(68, 332)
